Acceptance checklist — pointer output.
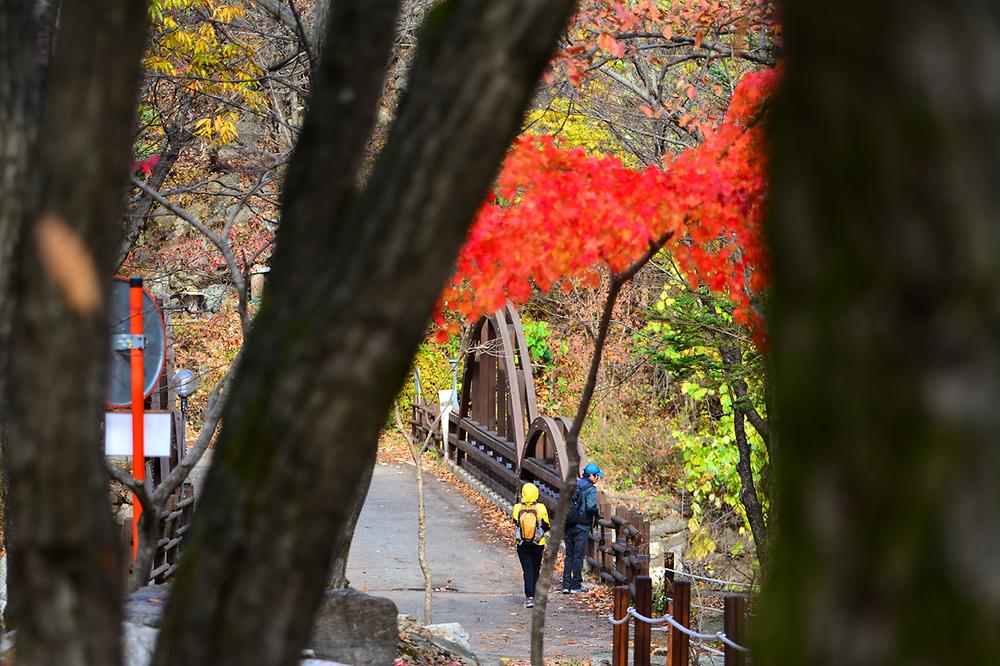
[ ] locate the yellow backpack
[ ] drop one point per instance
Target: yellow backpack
(527, 524)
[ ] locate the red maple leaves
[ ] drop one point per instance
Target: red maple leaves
(559, 214)
(145, 167)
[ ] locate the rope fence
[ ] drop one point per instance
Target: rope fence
(707, 579)
(682, 638)
(719, 635)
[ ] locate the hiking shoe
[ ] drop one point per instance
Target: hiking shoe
(565, 590)
(577, 590)
(529, 602)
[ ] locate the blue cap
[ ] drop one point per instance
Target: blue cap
(592, 468)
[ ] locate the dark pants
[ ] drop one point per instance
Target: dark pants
(530, 555)
(576, 549)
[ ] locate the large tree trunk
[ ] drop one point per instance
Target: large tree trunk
(19, 108)
(355, 278)
(65, 557)
(885, 335)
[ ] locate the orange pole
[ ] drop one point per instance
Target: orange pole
(138, 448)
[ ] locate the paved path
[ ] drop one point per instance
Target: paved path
(483, 579)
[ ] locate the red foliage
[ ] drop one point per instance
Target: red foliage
(560, 214)
(602, 28)
(145, 167)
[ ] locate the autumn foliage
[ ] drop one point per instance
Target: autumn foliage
(559, 215)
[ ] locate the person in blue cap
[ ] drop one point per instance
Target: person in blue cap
(582, 516)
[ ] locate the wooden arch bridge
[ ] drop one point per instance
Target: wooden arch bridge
(498, 438)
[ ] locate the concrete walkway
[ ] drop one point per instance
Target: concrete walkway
(481, 580)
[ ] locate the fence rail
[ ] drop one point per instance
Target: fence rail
(175, 521)
(678, 617)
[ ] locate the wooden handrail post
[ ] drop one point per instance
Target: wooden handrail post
(735, 628)
(619, 644)
(644, 606)
(679, 641)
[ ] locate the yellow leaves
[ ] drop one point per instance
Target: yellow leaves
(218, 129)
(68, 262)
(227, 13)
(158, 64)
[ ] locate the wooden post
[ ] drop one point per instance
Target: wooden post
(619, 643)
(735, 628)
(606, 513)
(644, 606)
(644, 549)
(681, 610)
(668, 584)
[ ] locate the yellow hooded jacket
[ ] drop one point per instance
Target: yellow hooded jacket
(529, 500)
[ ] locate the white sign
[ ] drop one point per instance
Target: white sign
(118, 434)
(445, 400)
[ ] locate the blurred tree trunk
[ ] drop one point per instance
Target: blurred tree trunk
(886, 336)
(355, 276)
(65, 553)
(19, 108)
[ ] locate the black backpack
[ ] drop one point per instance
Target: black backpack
(577, 509)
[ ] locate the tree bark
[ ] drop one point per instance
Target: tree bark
(19, 109)
(342, 549)
(732, 360)
(65, 552)
(354, 280)
(886, 303)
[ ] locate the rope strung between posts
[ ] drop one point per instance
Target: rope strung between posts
(699, 606)
(717, 581)
(612, 620)
(717, 636)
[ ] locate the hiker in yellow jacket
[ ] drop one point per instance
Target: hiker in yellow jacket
(532, 521)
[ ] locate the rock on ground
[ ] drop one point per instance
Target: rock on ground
(355, 628)
(434, 644)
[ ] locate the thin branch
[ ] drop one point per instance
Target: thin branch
(146, 500)
(572, 449)
(222, 243)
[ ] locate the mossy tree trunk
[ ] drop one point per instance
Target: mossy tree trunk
(355, 276)
(886, 336)
(65, 155)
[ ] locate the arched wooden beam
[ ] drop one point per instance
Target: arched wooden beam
(554, 430)
(499, 393)
(522, 343)
(565, 425)
(515, 383)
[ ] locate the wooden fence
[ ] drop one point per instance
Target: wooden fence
(619, 548)
(635, 607)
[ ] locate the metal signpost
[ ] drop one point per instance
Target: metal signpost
(136, 327)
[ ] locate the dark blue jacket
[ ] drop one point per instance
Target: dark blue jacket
(589, 503)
